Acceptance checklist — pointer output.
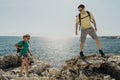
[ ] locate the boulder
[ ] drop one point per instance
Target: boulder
(12, 60)
(53, 71)
(44, 78)
(92, 67)
(82, 76)
(2, 75)
(39, 68)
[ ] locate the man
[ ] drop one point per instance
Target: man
(85, 18)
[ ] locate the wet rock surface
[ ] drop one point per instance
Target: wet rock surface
(92, 67)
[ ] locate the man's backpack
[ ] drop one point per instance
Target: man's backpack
(84, 17)
(18, 49)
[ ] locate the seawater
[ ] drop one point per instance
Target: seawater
(56, 51)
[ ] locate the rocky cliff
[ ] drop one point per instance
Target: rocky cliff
(93, 67)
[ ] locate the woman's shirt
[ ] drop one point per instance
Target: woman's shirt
(24, 50)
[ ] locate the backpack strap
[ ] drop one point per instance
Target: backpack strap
(79, 20)
(18, 50)
(88, 14)
(23, 43)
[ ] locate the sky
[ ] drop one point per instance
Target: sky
(56, 17)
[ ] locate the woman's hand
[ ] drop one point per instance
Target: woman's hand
(21, 47)
(29, 54)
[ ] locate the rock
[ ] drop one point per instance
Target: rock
(75, 67)
(1, 71)
(39, 68)
(1, 62)
(115, 59)
(44, 78)
(2, 75)
(107, 77)
(12, 60)
(93, 67)
(46, 73)
(53, 71)
(66, 66)
(30, 60)
(112, 66)
(82, 76)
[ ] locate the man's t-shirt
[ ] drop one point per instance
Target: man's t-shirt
(85, 22)
(25, 45)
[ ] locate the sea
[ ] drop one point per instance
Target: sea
(57, 50)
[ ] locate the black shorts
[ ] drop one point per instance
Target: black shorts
(23, 56)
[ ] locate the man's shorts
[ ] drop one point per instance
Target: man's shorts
(89, 31)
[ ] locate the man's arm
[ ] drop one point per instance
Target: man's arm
(76, 28)
(94, 23)
(76, 25)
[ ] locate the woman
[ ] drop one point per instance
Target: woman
(24, 49)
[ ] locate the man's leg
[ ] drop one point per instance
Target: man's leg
(83, 38)
(93, 34)
(99, 47)
(81, 49)
(98, 43)
(82, 46)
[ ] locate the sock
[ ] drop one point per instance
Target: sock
(81, 51)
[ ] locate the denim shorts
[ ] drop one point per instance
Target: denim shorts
(89, 31)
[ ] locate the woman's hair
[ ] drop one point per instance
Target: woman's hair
(28, 35)
(24, 36)
(81, 6)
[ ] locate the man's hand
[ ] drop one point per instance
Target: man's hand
(76, 32)
(95, 29)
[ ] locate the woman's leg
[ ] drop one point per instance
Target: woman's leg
(22, 66)
(26, 66)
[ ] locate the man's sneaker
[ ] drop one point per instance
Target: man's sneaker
(102, 53)
(81, 54)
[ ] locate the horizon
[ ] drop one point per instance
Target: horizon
(57, 36)
(50, 19)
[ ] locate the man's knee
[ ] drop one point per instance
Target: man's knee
(82, 42)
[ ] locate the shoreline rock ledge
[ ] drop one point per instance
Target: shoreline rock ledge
(93, 67)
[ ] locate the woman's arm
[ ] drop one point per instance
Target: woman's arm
(29, 52)
(16, 45)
